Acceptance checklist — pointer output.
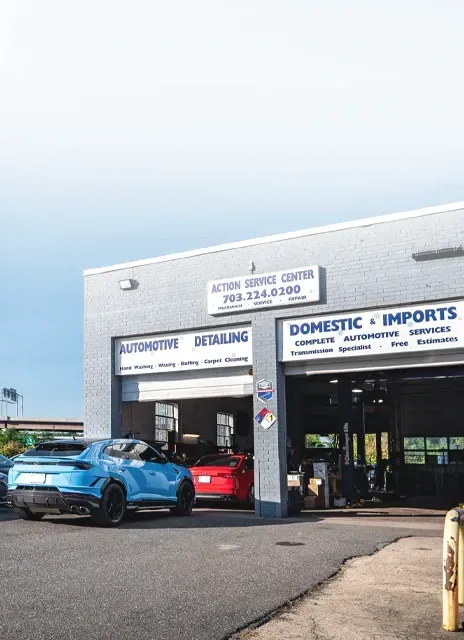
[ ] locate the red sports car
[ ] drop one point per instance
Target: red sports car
(225, 477)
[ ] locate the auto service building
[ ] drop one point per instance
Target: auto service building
(347, 330)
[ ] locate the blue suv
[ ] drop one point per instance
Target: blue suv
(100, 478)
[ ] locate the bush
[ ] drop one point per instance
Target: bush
(12, 442)
(11, 448)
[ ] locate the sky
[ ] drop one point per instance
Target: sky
(135, 129)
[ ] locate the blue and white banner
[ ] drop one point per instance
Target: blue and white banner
(218, 348)
(264, 290)
(380, 332)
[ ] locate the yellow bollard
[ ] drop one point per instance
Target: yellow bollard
(451, 552)
(461, 565)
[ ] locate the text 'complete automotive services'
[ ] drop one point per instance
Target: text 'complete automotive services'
(380, 332)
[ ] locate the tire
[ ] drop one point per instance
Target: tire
(27, 514)
(112, 507)
(251, 497)
(185, 500)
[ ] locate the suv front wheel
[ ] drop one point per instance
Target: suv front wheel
(185, 500)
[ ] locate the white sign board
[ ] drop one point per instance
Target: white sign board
(382, 331)
(228, 347)
(264, 290)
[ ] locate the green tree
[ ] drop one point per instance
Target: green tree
(11, 448)
(414, 443)
(13, 441)
(371, 448)
(313, 441)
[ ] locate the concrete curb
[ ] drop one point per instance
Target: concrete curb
(288, 605)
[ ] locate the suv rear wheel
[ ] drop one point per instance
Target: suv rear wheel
(27, 514)
(112, 507)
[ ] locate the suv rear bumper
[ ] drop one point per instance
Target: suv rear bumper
(51, 499)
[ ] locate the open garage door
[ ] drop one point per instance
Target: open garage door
(217, 383)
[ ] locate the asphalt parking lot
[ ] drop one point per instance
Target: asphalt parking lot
(163, 577)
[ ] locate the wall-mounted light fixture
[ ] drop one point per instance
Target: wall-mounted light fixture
(439, 254)
(251, 266)
(126, 285)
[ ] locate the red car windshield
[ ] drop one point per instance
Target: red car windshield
(219, 461)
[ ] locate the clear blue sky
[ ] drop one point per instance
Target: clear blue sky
(133, 129)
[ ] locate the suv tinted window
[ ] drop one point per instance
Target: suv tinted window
(133, 451)
(125, 450)
(59, 449)
(146, 453)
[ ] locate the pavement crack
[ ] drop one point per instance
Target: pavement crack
(314, 632)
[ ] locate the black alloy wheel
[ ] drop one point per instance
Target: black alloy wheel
(185, 500)
(112, 507)
(115, 506)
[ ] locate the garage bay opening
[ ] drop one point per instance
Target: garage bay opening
(393, 436)
(187, 429)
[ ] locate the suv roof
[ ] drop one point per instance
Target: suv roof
(87, 441)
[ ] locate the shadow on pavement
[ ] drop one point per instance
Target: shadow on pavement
(357, 513)
(226, 516)
(198, 520)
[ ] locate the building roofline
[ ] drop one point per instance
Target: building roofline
(22, 420)
(330, 228)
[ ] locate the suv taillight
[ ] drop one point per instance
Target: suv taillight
(84, 466)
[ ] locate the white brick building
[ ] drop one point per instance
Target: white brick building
(386, 277)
